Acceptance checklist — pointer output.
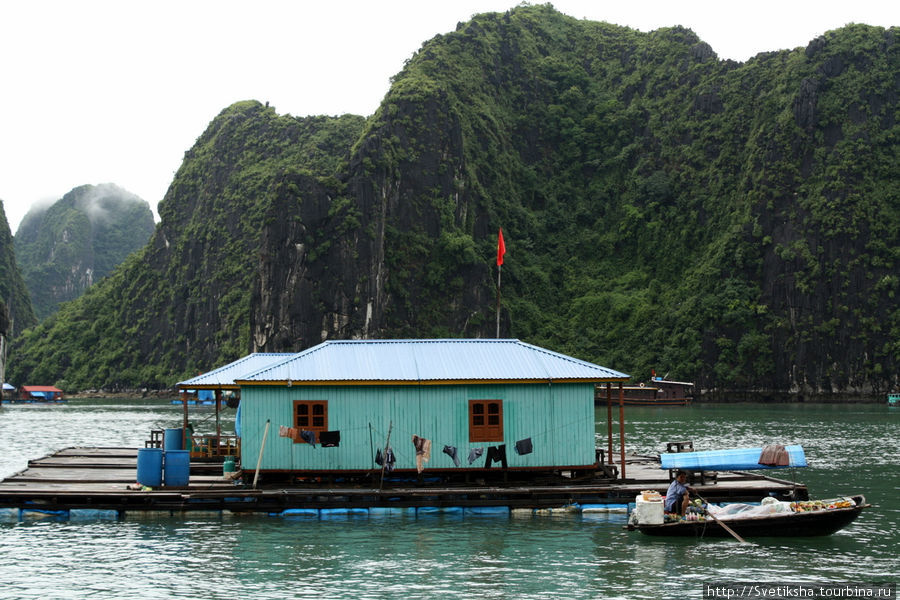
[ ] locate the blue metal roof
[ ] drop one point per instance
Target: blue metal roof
(428, 361)
(225, 376)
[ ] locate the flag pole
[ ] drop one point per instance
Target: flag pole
(501, 250)
(499, 270)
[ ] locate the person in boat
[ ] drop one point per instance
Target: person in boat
(678, 495)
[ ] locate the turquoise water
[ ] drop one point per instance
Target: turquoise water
(849, 448)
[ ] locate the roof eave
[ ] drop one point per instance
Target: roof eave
(209, 386)
(285, 382)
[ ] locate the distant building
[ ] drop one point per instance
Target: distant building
(40, 393)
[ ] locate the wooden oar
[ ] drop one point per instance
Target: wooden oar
(720, 522)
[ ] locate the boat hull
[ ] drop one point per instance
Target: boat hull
(814, 523)
(655, 402)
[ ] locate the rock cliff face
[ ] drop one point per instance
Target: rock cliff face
(826, 215)
(733, 224)
(391, 254)
(64, 248)
(18, 312)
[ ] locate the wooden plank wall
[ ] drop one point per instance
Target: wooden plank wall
(559, 419)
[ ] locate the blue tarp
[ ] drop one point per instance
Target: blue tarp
(8, 387)
(205, 395)
(727, 460)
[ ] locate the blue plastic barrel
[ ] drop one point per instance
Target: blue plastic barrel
(177, 469)
(172, 440)
(149, 466)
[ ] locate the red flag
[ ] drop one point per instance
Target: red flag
(501, 248)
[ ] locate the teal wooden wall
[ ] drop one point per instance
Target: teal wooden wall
(559, 419)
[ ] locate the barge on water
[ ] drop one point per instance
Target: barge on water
(382, 425)
(102, 479)
(658, 391)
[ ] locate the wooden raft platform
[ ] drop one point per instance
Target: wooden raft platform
(99, 478)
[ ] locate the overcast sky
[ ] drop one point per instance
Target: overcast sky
(116, 91)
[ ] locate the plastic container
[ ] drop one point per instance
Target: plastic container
(177, 469)
(149, 466)
(648, 512)
(173, 439)
(228, 465)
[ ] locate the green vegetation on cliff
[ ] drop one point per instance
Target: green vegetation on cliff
(733, 224)
(62, 249)
(13, 293)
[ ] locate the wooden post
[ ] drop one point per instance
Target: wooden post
(622, 426)
(261, 448)
(609, 455)
(218, 396)
(184, 423)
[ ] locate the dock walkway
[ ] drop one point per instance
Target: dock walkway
(99, 478)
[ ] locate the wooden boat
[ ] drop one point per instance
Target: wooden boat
(824, 521)
(658, 391)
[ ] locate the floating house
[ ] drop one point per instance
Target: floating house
(449, 407)
(40, 393)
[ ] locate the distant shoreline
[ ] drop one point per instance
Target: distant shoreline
(130, 395)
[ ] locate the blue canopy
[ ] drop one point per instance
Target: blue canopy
(728, 460)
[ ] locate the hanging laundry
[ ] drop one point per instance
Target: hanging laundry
(423, 452)
(475, 454)
(496, 454)
(389, 459)
(524, 446)
(308, 436)
(330, 439)
(379, 460)
(451, 452)
(294, 434)
(283, 431)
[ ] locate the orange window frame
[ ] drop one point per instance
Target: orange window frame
(485, 420)
(311, 415)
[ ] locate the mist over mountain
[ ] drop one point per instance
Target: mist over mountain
(734, 224)
(65, 247)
